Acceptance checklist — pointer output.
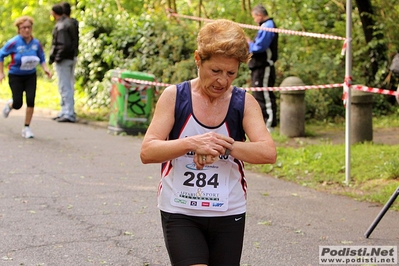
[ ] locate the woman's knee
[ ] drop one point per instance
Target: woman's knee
(16, 105)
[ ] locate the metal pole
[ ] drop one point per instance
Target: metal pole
(347, 87)
(382, 213)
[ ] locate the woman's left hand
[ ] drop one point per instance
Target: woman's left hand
(201, 160)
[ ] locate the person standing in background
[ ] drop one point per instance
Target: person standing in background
(26, 52)
(67, 12)
(63, 53)
(264, 51)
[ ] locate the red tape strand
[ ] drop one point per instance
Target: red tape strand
(276, 30)
(132, 82)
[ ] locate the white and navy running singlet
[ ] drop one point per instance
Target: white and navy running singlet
(219, 189)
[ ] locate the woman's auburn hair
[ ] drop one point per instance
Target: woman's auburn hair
(23, 19)
(223, 37)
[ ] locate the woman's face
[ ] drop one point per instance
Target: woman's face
(217, 73)
(25, 29)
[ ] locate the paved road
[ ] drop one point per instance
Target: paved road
(76, 195)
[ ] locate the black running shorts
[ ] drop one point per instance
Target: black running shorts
(213, 241)
(19, 84)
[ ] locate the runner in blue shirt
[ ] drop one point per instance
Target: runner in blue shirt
(26, 53)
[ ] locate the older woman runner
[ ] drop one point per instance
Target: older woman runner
(198, 133)
(26, 53)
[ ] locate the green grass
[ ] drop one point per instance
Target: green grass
(387, 121)
(374, 168)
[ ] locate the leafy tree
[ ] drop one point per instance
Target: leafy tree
(137, 43)
(38, 10)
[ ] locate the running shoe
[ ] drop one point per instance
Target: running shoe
(7, 108)
(27, 133)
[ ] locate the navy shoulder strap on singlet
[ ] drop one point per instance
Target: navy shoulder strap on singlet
(233, 120)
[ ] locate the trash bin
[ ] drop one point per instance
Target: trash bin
(131, 102)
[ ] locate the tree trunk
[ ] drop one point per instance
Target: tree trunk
(199, 13)
(174, 5)
(249, 5)
(376, 53)
(366, 16)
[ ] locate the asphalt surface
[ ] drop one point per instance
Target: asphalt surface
(77, 195)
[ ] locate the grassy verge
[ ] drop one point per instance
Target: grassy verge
(374, 168)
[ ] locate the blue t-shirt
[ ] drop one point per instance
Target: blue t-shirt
(24, 56)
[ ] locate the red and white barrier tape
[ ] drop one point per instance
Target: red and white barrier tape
(306, 87)
(292, 32)
(347, 84)
(151, 83)
(293, 88)
(131, 82)
(374, 90)
(276, 30)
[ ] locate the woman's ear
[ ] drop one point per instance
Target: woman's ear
(197, 58)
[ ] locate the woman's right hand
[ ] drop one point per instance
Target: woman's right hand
(2, 76)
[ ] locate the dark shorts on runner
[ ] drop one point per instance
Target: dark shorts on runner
(19, 84)
(213, 241)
